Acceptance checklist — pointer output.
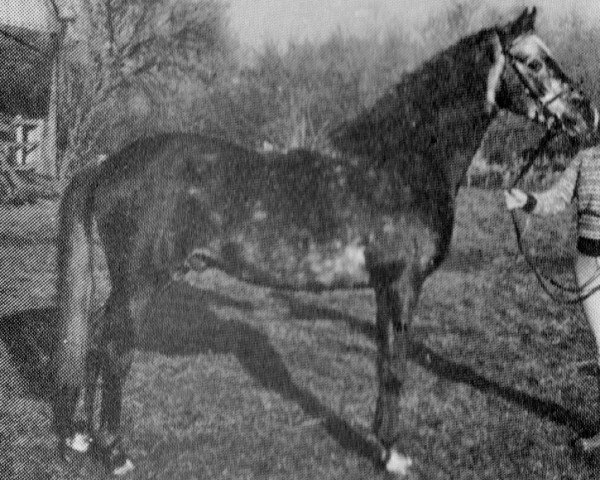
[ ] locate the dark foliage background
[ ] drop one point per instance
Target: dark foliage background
(132, 68)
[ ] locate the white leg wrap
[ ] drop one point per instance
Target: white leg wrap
(397, 463)
(80, 442)
(124, 469)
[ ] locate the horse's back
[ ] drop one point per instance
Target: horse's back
(300, 219)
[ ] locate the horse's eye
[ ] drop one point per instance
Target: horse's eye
(535, 65)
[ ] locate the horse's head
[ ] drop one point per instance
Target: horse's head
(527, 80)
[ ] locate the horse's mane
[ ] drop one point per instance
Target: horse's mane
(410, 114)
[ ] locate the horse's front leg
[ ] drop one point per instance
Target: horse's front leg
(395, 305)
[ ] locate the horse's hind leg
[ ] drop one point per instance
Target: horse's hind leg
(395, 304)
(117, 342)
(64, 405)
(113, 361)
(79, 437)
(92, 376)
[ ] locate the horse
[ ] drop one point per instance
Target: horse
(379, 214)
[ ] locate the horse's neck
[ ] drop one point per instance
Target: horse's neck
(468, 135)
(436, 116)
(450, 133)
(457, 114)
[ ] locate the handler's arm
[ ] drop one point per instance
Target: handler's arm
(548, 202)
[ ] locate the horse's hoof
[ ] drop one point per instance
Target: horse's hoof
(396, 463)
(79, 442)
(588, 445)
(115, 459)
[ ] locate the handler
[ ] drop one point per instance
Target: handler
(580, 180)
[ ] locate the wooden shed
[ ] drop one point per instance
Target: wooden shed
(30, 36)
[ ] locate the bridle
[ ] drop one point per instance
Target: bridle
(570, 295)
(531, 89)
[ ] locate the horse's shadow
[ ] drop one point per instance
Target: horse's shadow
(184, 322)
(446, 368)
(27, 336)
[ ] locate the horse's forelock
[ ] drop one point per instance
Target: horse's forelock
(530, 45)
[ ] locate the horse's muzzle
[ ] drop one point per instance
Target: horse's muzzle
(581, 118)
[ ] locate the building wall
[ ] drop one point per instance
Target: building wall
(37, 15)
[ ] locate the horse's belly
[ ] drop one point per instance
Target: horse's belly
(302, 267)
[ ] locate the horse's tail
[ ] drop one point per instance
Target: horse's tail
(74, 281)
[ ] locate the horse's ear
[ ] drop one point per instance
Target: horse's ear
(524, 23)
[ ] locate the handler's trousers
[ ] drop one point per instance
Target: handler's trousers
(587, 268)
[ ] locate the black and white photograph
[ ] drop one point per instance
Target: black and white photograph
(299, 239)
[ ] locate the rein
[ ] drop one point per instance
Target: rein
(571, 295)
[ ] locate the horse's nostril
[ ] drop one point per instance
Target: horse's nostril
(585, 110)
(581, 103)
(572, 125)
(568, 122)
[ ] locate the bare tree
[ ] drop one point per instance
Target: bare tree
(126, 61)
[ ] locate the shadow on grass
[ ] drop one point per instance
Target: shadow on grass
(28, 338)
(185, 321)
(446, 368)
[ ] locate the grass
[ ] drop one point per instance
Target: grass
(232, 381)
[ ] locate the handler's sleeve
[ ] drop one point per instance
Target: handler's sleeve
(560, 195)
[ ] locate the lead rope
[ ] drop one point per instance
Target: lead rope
(571, 295)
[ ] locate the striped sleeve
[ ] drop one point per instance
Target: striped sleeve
(558, 197)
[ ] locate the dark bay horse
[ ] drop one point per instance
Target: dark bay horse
(379, 214)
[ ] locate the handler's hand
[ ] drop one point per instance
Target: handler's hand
(515, 198)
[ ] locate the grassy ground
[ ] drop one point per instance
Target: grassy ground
(237, 382)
